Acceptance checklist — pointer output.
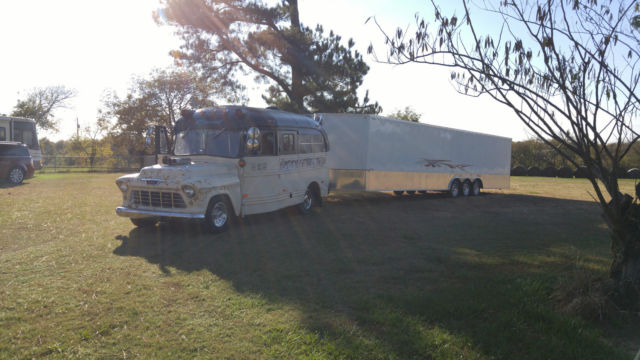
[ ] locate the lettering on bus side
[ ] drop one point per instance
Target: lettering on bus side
(315, 162)
(259, 166)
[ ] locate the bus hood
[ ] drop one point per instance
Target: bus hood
(206, 174)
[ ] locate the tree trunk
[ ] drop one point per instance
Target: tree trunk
(296, 66)
(625, 248)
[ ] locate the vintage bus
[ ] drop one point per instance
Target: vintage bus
(229, 161)
(22, 130)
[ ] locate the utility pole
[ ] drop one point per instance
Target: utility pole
(77, 128)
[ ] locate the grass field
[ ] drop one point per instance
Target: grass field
(367, 276)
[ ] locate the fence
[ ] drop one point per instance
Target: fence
(95, 163)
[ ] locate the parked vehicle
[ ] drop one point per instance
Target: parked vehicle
(236, 161)
(230, 161)
(374, 153)
(22, 130)
(15, 162)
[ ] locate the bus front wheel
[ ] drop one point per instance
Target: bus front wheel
(217, 216)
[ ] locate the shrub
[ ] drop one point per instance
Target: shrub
(534, 171)
(565, 172)
(581, 172)
(550, 171)
(519, 171)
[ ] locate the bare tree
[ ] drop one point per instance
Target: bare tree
(40, 104)
(569, 70)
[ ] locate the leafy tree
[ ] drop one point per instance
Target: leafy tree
(154, 99)
(569, 71)
(47, 147)
(174, 89)
(407, 114)
(90, 144)
(536, 153)
(41, 103)
(129, 118)
(306, 69)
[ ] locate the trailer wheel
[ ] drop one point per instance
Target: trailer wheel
(398, 192)
(475, 189)
(411, 192)
(454, 189)
(217, 216)
(144, 222)
(466, 188)
(422, 191)
(307, 203)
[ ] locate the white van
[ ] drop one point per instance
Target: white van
(230, 161)
(22, 130)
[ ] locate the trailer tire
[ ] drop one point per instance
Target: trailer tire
(308, 202)
(411, 192)
(144, 222)
(454, 188)
(476, 187)
(218, 215)
(422, 191)
(398, 192)
(466, 188)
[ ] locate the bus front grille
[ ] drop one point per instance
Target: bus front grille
(160, 199)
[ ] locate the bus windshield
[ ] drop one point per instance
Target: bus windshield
(215, 142)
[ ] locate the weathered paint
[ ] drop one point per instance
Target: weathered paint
(209, 176)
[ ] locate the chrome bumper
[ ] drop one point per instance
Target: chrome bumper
(138, 213)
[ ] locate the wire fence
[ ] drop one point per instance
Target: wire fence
(95, 163)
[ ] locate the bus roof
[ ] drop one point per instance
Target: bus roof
(242, 117)
(3, 117)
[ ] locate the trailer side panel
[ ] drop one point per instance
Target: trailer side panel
(374, 153)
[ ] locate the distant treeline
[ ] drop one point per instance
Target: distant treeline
(535, 158)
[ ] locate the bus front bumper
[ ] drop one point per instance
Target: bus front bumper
(139, 213)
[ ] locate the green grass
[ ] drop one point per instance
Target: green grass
(367, 276)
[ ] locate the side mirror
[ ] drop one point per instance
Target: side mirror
(253, 139)
(148, 135)
(253, 144)
(162, 140)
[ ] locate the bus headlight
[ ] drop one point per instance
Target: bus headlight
(189, 190)
(123, 186)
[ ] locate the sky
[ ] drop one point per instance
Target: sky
(97, 46)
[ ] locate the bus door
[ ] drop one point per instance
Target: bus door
(291, 184)
(261, 186)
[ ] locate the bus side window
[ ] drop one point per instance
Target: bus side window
(287, 143)
(268, 144)
(3, 134)
(311, 141)
(25, 133)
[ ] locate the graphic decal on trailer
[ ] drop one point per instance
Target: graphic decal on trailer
(443, 163)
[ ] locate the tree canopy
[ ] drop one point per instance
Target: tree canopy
(153, 99)
(171, 90)
(569, 70)
(40, 104)
(407, 114)
(306, 70)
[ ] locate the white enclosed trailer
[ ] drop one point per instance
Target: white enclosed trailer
(374, 153)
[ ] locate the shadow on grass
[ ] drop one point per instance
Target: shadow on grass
(4, 184)
(411, 277)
